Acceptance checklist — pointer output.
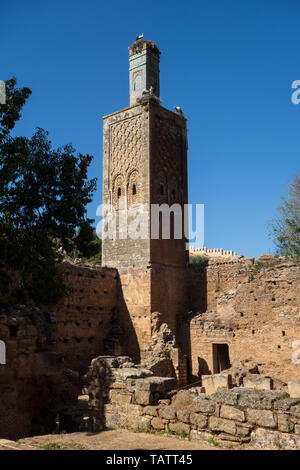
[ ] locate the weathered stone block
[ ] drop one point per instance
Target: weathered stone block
(266, 439)
(264, 418)
(167, 412)
(204, 406)
(120, 397)
(138, 422)
(294, 388)
(179, 428)
(259, 399)
(199, 420)
(213, 383)
(132, 373)
(223, 436)
(157, 423)
(115, 421)
(295, 411)
(284, 423)
(226, 397)
(183, 416)
(243, 430)
(286, 403)
(150, 410)
(143, 397)
(131, 409)
(117, 384)
(230, 412)
(156, 384)
(184, 399)
(256, 381)
(223, 425)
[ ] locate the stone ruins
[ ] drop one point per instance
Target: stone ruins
(148, 340)
(213, 252)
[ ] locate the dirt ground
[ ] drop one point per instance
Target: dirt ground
(114, 440)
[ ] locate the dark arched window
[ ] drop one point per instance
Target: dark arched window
(133, 189)
(119, 192)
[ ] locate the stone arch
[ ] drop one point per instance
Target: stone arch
(118, 190)
(133, 188)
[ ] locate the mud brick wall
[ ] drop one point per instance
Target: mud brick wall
(256, 312)
(207, 281)
(33, 384)
(84, 318)
(132, 398)
(141, 292)
(134, 311)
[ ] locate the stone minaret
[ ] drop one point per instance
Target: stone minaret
(143, 69)
(145, 161)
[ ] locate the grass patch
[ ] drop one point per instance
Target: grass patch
(211, 441)
(145, 429)
(199, 260)
(57, 446)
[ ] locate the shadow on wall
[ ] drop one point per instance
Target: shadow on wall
(197, 303)
(121, 338)
(203, 368)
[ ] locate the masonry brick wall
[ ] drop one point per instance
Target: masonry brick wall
(136, 400)
(84, 318)
(254, 311)
(34, 386)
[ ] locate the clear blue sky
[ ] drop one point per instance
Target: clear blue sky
(228, 63)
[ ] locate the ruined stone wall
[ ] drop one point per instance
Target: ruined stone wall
(254, 309)
(33, 384)
(141, 292)
(169, 293)
(134, 311)
(213, 252)
(84, 318)
(132, 398)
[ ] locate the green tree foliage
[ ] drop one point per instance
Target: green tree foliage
(286, 226)
(43, 196)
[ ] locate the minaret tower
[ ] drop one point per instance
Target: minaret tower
(145, 162)
(143, 69)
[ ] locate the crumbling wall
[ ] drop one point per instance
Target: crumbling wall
(140, 293)
(132, 398)
(84, 318)
(163, 357)
(254, 308)
(33, 383)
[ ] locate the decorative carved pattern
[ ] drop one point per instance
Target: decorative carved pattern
(168, 161)
(125, 159)
(125, 146)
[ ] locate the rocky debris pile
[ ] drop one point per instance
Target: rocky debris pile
(240, 371)
(158, 357)
(162, 356)
(115, 382)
